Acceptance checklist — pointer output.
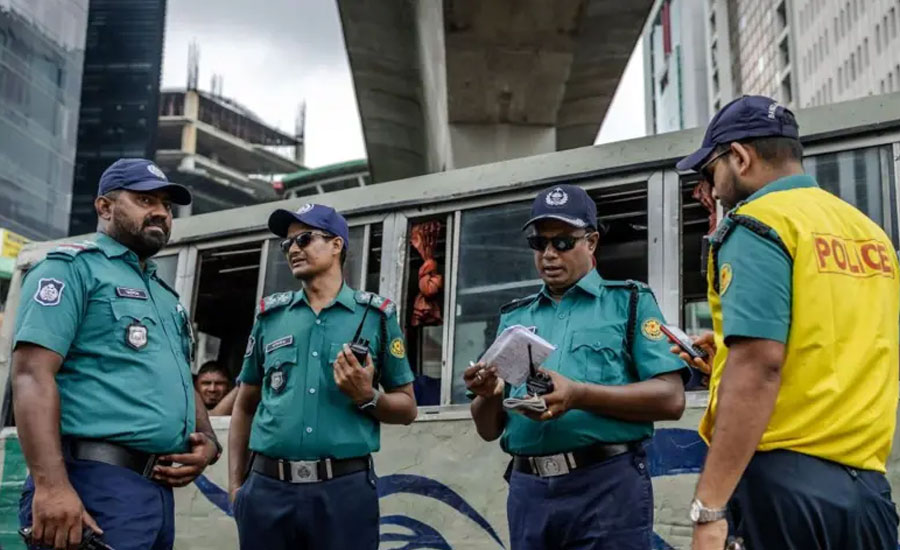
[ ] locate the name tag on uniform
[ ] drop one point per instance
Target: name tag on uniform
(133, 293)
(280, 343)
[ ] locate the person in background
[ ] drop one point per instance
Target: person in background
(214, 387)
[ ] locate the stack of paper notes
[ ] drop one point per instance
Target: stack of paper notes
(509, 353)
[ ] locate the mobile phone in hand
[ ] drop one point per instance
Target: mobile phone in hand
(683, 341)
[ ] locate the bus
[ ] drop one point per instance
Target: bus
(441, 486)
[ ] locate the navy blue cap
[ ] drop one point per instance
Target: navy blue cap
(141, 175)
(750, 116)
(567, 203)
(319, 216)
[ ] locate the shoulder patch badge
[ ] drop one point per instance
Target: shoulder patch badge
(398, 349)
(49, 292)
(250, 343)
(652, 329)
(726, 275)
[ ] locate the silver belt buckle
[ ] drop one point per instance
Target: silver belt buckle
(304, 471)
(551, 466)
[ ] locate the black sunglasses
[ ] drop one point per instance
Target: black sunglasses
(703, 169)
(561, 243)
(302, 240)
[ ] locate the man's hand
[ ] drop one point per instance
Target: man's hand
(232, 492)
(482, 380)
(560, 400)
(352, 379)
(192, 464)
(707, 343)
(710, 536)
(59, 517)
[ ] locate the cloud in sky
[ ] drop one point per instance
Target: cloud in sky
(272, 55)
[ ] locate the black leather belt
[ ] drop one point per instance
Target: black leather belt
(111, 453)
(308, 471)
(563, 463)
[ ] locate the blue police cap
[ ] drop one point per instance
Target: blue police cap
(318, 216)
(141, 175)
(567, 203)
(750, 116)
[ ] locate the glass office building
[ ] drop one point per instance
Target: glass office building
(41, 57)
(119, 97)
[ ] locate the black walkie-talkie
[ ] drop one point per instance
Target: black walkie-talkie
(537, 383)
(360, 346)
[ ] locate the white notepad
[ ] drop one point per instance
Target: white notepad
(509, 353)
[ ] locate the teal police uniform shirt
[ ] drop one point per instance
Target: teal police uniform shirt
(758, 301)
(302, 414)
(588, 328)
(125, 340)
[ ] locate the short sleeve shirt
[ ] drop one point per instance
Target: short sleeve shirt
(302, 414)
(125, 341)
(588, 326)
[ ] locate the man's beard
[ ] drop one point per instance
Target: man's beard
(737, 193)
(143, 243)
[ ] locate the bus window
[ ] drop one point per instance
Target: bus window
(697, 220)
(622, 251)
(166, 266)
(424, 307)
(225, 300)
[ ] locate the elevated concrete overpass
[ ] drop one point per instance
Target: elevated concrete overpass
(445, 84)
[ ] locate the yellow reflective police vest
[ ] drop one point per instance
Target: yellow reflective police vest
(839, 381)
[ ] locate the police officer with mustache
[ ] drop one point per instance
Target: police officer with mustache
(101, 377)
(579, 476)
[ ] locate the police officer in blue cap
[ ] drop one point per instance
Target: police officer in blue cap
(315, 403)
(579, 477)
(101, 377)
(803, 293)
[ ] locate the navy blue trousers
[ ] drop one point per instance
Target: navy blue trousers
(788, 500)
(607, 506)
(134, 513)
(339, 514)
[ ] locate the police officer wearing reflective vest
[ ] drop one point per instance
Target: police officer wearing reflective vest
(803, 290)
(579, 477)
(104, 402)
(315, 407)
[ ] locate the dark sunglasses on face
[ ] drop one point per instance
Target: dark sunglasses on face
(704, 170)
(302, 240)
(561, 243)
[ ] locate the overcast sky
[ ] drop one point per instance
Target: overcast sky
(273, 55)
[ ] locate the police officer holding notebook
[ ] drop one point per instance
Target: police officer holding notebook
(579, 476)
(310, 387)
(101, 377)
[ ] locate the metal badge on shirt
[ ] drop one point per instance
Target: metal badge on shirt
(277, 379)
(49, 292)
(136, 335)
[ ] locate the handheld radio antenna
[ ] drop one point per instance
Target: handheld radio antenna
(363, 322)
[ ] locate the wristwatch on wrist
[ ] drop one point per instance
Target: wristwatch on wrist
(218, 445)
(370, 406)
(701, 514)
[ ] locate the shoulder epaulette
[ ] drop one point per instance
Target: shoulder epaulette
(628, 284)
(68, 251)
(274, 301)
(516, 304)
(373, 300)
(166, 286)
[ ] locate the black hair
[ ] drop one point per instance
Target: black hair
(213, 366)
(773, 150)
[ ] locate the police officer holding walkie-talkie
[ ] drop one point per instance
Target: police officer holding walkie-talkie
(301, 475)
(579, 477)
